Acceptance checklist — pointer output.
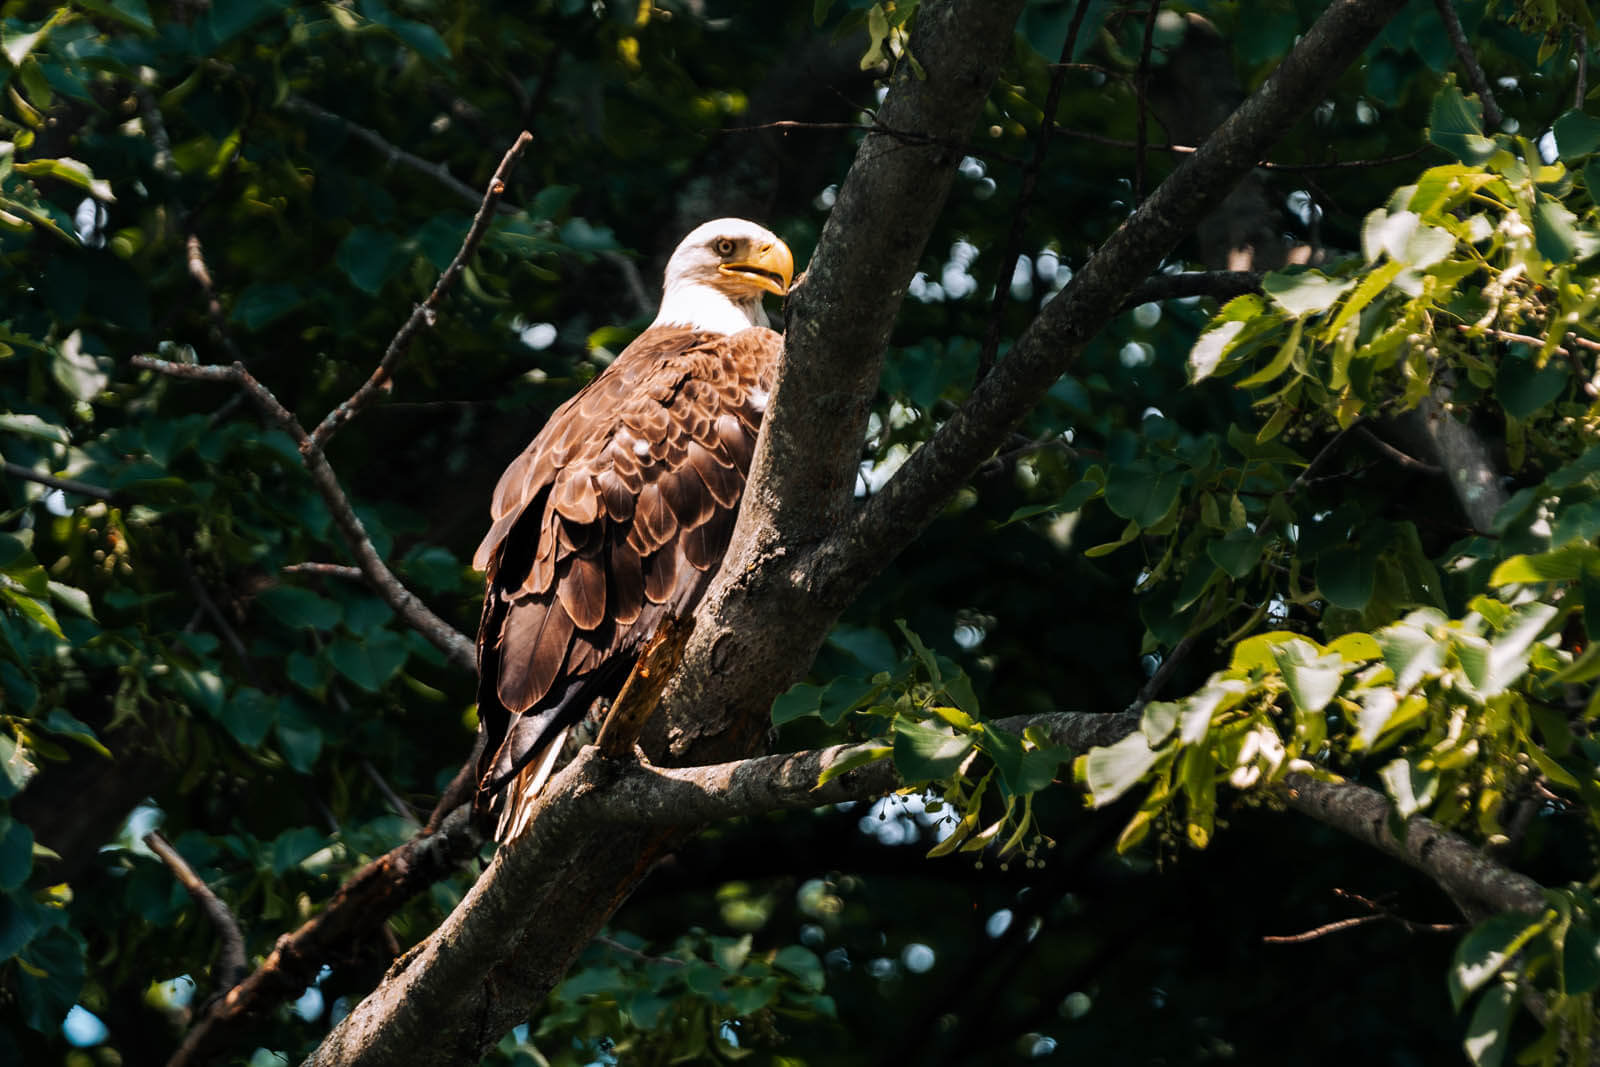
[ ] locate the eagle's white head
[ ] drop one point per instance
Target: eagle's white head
(718, 274)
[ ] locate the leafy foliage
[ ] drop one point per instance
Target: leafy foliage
(279, 183)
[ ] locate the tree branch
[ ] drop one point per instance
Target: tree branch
(1030, 182)
(357, 912)
(802, 546)
(915, 495)
(458, 973)
(424, 313)
(438, 172)
(455, 645)
(66, 485)
(1492, 117)
(230, 966)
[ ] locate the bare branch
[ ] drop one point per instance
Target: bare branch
(424, 312)
(1030, 182)
(357, 913)
(1141, 85)
(396, 802)
(1492, 117)
(326, 570)
(230, 941)
(200, 271)
(66, 485)
(1263, 164)
(1321, 931)
(1409, 463)
(1219, 285)
(460, 649)
(438, 172)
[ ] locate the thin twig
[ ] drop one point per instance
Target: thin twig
(632, 953)
(200, 271)
(1163, 674)
(1019, 216)
(326, 570)
(1409, 462)
(437, 171)
(1320, 460)
(1263, 164)
(910, 137)
(230, 966)
(1320, 931)
(424, 313)
(1141, 85)
(456, 646)
(66, 485)
(219, 620)
(1492, 116)
(396, 802)
(633, 280)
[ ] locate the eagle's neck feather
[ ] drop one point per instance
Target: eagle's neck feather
(706, 308)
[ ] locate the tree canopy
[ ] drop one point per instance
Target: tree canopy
(1162, 579)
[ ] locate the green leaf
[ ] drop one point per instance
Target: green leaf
(291, 847)
(1580, 960)
(1412, 790)
(924, 752)
(1142, 492)
(367, 257)
(64, 724)
(1312, 680)
(1564, 564)
(1237, 553)
(1577, 134)
(297, 607)
(1490, 1027)
(925, 656)
(299, 739)
(1305, 292)
(1113, 770)
(16, 853)
(850, 759)
(263, 303)
(248, 715)
(48, 985)
(1345, 576)
(368, 661)
(803, 964)
(840, 697)
(1455, 124)
(1524, 389)
(15, 766)
(798, 701)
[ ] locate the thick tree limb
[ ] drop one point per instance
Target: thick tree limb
(802, 547)
(417, 1017)
(911, 499)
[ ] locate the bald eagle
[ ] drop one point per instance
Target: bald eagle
(617, 514)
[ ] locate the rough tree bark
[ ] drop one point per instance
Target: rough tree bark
(802, 547)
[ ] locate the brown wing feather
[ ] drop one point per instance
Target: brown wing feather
(615, 516)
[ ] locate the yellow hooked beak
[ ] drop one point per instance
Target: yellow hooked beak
(769, 267)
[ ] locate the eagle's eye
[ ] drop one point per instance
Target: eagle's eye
(723, 246)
